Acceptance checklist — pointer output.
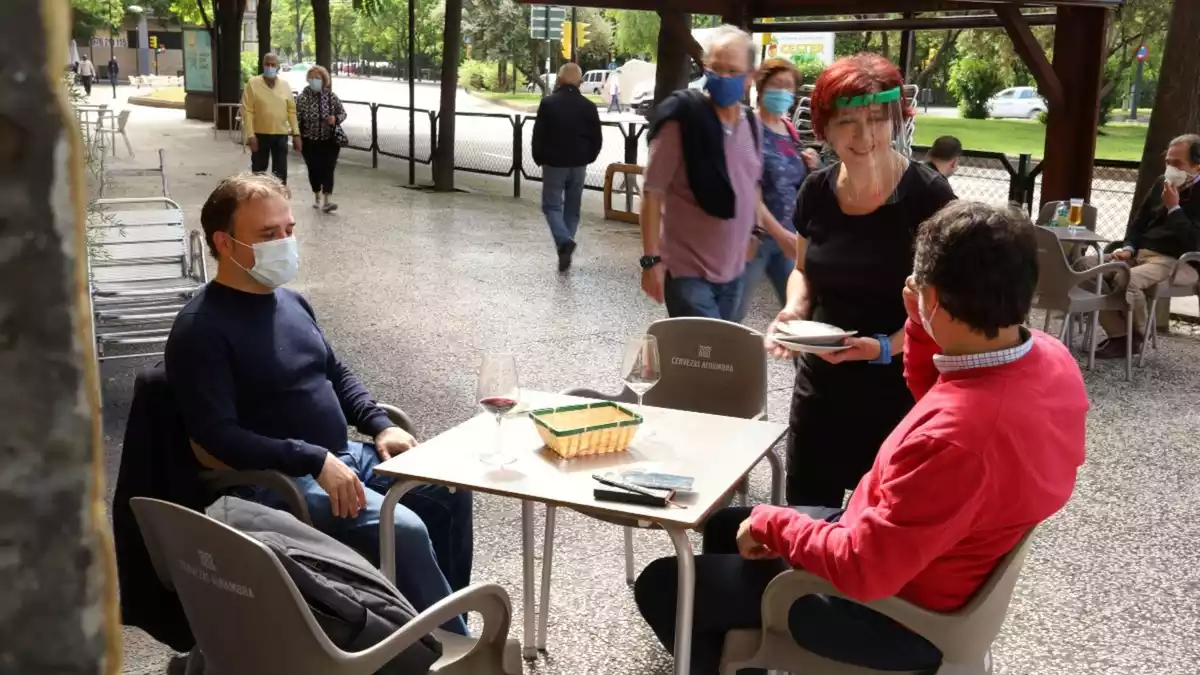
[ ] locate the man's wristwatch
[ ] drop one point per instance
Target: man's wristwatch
(649, 261)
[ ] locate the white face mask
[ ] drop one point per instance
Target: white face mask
(1176, 176)
(276, 262)
(926, 319)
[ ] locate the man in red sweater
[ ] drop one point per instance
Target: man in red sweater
(990, 450)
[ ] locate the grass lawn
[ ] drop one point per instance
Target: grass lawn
(174, 94)
(1015, 137)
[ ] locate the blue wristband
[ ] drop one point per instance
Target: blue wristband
(885, 350)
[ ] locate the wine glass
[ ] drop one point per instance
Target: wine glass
(498, 393)
(641, 369)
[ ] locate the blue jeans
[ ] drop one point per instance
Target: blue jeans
(562, 195)
(729, 597)
(770, 262)
(434, 530)
(694, 296)
(614, 104)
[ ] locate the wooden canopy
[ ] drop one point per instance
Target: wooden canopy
(1070, 84)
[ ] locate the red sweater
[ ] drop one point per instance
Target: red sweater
(985, 455)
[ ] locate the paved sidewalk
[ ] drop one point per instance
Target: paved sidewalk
(411, 287)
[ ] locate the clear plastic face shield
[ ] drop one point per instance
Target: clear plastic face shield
(869, 134)
(902, 129)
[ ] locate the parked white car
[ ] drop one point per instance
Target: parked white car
(594, 82)
(643, 96)
(1020, 102)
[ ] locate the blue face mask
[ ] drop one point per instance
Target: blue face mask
(270, 71)
(725, 90)
(315, 84)
(778, 101)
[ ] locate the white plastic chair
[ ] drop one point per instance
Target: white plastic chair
(964, 636)
(249, 618)
(103, 134)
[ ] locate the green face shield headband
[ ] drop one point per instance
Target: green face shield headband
(889, 96)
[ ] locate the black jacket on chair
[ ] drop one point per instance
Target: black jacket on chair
(703, 148)
(1171, 234)
(566, 132)
(157, 462)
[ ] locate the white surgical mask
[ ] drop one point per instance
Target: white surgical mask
(315, 84)
(1176, 176)
(926, 319)
(276, 262)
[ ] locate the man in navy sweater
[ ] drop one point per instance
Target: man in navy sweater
(259, 387)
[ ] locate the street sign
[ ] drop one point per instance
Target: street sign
(612, 65)
(1143, 53)
(540, 19)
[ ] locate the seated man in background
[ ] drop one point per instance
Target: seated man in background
(259, 387)
(1166, 226)
(943, 155)
(990, 450)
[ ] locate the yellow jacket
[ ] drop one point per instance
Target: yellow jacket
(269, 110)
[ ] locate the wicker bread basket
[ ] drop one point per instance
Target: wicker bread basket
(586, 428)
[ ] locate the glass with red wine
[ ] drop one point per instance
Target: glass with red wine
(498, 393)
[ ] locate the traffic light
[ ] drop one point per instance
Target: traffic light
(154, 42)
(581, 40)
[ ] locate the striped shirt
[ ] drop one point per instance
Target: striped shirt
(695, 244)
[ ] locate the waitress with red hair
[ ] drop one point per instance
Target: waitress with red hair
(856, 222)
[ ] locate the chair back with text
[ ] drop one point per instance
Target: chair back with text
(710, 366)
(247, 615)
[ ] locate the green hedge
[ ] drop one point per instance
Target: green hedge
(973, 81)
(484, 76)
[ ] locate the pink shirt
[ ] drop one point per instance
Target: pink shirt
(693, 243)
(986, 454)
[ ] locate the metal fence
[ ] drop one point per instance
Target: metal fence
(995, 178)
(500, 144)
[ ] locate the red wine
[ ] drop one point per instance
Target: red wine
(498, 405)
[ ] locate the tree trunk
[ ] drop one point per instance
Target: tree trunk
(321, 33)
(443, 167)
(263, 21)
(1175, 110)
(59, 614)
(227, 21)
(939, 59)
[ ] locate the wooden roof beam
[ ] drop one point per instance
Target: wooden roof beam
(908, 23)
(1031, 52)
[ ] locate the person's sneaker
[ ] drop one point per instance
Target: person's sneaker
(564, 256)
(329, 207)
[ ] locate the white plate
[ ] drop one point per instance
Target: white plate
(812, 332)
(782, 341)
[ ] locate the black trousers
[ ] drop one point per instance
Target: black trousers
(272, 148)
(729, 592)
(321, 159)
(841, 414)
(87, 84)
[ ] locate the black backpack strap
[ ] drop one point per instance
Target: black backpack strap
(753, 120)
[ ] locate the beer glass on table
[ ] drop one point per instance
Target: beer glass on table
(1075, 216)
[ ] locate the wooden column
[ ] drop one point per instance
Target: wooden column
(907, 47)
(676, 52)
(1072, 125)
(738, 15)
(57, 611)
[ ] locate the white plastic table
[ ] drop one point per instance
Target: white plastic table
(717, 451)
